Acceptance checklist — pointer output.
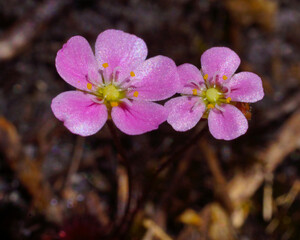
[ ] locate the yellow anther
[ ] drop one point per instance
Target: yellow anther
(89, 86)
(228, 100)
(194, 91)
(225, 77)
(210, 106)
(205, 76)
(114, 104)
(105, 65)
(135, 94)
(132, 74)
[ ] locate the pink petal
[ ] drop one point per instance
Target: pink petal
(79, 113)
(245, 87)
(183, 113)
(76, 63)
(227, 125)
(188, 73)
(219, 60)
(138, 118)
(120, 49)
(156, 79)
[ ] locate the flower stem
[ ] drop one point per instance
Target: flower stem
(171, 159)
(126, 163)
(175, 156)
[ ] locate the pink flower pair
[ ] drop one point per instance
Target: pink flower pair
(118, 83)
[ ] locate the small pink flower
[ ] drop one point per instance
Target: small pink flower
(118, 83)
(213, 93)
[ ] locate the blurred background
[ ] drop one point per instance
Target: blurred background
(56, 185)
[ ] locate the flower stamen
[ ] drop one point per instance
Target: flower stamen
(135, 94)
(115, 75)
(105, 65)
(198, 85)
(214, 80)
(132, 74)
(89, 86)
(114, 104)
(127, 101)
(210, 106)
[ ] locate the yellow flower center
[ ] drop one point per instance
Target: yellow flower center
(212, 95)
(110, 93)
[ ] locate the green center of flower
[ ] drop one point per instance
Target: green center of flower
(212, 95)
(110, 93)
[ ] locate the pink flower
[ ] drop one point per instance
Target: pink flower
(213, 93)
(117, 83)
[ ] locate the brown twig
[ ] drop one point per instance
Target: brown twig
(245, 184)
(75, 161)
(27, 170)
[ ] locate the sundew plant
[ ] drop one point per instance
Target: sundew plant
(118, 85)
(149, 120)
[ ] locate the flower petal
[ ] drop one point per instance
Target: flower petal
(220, 60)
(183, 113)
(245, 87)
(188, 73)
(155, 79)
(76, 63)
(138, 118)
(120, 49)
(79, 113)
(227, 125)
